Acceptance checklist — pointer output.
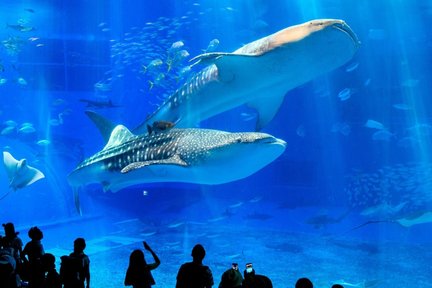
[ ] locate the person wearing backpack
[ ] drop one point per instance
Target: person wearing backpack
(75, 268)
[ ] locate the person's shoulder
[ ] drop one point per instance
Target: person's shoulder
(18, 241)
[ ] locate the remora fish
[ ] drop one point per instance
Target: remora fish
(199, 156)
(258, 74)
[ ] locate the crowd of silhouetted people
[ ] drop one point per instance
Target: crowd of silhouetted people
(32, 267)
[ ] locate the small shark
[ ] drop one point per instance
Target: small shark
(258, 74)
(192, 155)
(19, 173)
(99, 104)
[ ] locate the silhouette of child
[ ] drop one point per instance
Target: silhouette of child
(34, 251)
(82, 271)
(303, 283)
(52, 279)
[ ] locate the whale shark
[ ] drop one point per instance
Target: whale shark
(19, 173)
(191, 155)
(259, 74)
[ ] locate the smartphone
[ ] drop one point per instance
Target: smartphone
(249, 267)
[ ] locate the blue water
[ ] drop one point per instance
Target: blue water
(296, 216)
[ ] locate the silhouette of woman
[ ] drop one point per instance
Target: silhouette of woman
(138, 274)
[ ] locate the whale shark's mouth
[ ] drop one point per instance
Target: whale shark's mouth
(342, 26)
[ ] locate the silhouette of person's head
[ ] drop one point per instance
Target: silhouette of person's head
(48, 261)
(79, 245)
(137, 259)
(35, 233)
(249, 272)
(304, 283)
(231, 279)
(337, 286)
(9, 229)
(198, 253)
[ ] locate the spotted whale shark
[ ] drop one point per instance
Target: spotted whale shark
(191, 155)
(259, 74)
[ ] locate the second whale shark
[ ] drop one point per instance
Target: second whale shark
(192, 155)
(258, 74)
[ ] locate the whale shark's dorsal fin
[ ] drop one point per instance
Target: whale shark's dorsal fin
(119, 135)
(104, 125)
(19, 173)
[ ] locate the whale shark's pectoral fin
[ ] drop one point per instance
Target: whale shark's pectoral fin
(267, 107)
(175, 160)
(207, 58)
(77, 200)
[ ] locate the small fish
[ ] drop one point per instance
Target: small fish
(374, 124)
(30, 10)
(103, 87)
(401, 106)
(345, 94)
(8, 130)
(152, 65)
(182, 54)
(301, 131)
(159, 126)
(3, 81)
(43, 142)
(176, 225)
(11, 123)
(255, 199)
(236, 205)
(177, 45)
(21, 81)
(248, 116)
(367, 82)
(341, 127)
(382, 135)
(27, 129)
(353, 66)
(211, 47)
(21, 28)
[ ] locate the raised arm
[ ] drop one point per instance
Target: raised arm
(155, 257)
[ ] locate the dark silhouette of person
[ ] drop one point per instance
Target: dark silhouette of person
(52, 278)
(303, 283)
(34, 251)
(194, 274)
(8, 276)
(231, 278)
(138, 274)
(337, 286)
(76, 264)
(12, 242)
(253, 280)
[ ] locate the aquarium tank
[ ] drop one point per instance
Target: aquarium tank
(291, 134)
